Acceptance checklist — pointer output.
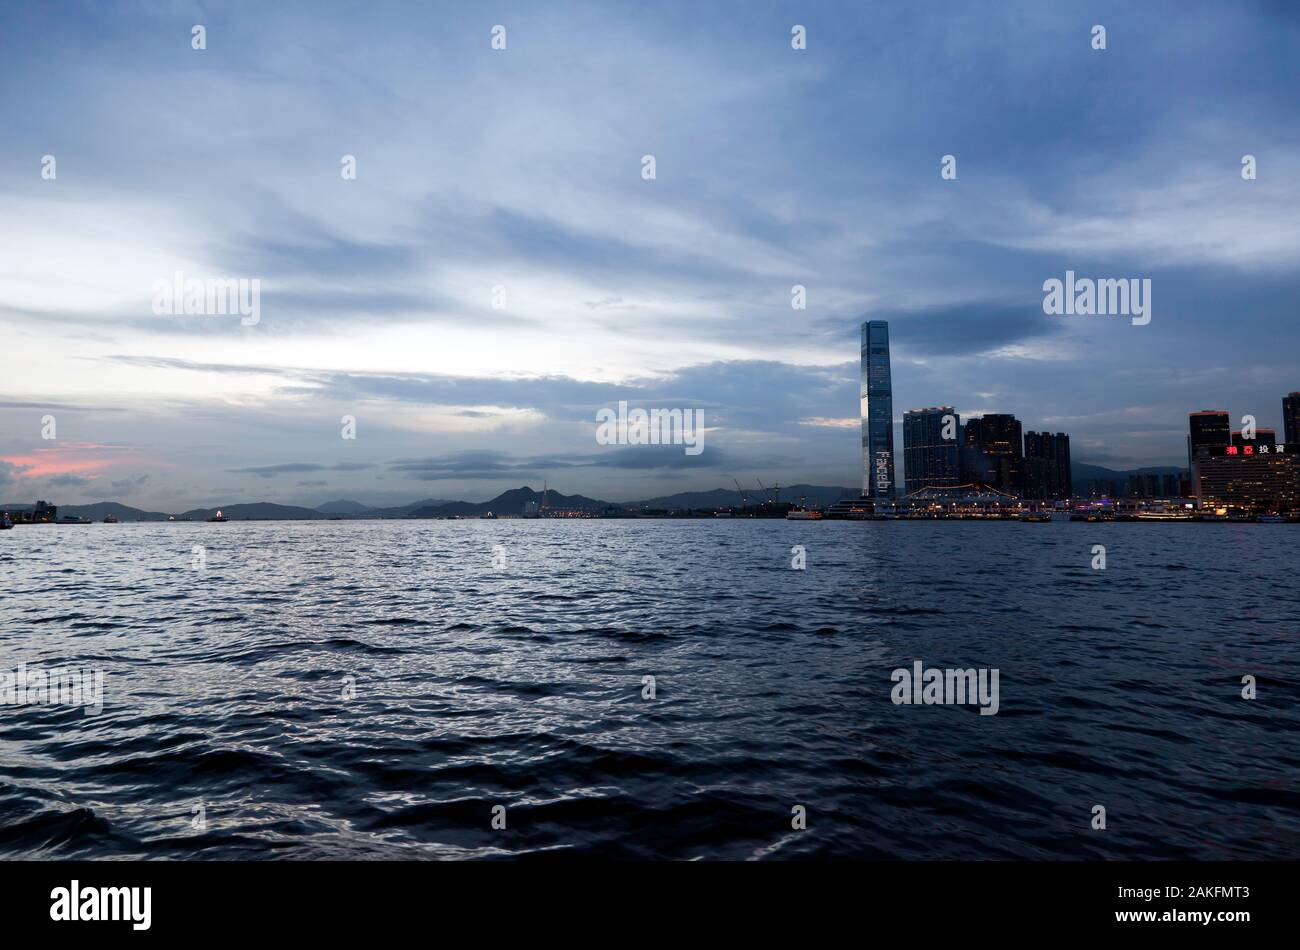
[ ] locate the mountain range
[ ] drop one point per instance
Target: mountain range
(512, 502)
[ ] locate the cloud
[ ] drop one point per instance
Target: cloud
(268, 471)
(10, 473)
(130, 485)
(969, 328)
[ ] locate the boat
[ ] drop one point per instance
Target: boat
(723, 514)
(110, 519)
(488, 516)
(219, 516)
(803, 514)
(5, 523)
(73, 519)
(1035, 516)
(1270, 519)
(1164, 514)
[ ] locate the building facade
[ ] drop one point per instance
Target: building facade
(877, 412)
(1291, 418)
(1208, 428)
(1255, 479)
(993, 453)
(929, 459)
(1047, 466)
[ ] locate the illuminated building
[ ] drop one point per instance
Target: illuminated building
(993, 453)
(877, 412)
(1249, 478)
(928, 458)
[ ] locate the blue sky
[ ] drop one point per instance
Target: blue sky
(521, 168)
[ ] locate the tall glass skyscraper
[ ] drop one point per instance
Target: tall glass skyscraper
(877, 412)
(1291, 417)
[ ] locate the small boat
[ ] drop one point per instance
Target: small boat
(219, 516)
(1035, 516)
(5, 523)
(110, 519)
(488, 516)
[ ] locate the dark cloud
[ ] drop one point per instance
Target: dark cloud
(130, 485)
(967, 329)
(284, 468)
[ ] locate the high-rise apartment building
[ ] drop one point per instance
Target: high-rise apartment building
(931, 446)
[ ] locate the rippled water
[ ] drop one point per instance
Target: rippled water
(522, 687)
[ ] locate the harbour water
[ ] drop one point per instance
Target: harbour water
(376, 689)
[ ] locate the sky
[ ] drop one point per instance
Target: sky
(514, 177)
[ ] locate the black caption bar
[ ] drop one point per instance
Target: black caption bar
(331, 899)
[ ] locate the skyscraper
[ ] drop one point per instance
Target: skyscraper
(993, 453)
(928, 458)
(1207, 429)
(1291, 417)
(877, 412)
(1047, 466)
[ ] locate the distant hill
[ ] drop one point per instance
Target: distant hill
(509, 503)
(1082, 473)
(102, 509)
(401, 511)
(813, 495)
(257, 511)
(342, 507)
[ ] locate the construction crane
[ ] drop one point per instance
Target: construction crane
(744, 495)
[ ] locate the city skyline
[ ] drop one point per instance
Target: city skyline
(819, 168)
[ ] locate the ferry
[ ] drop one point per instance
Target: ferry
(1165, 514)
(110, 519)
(73, 519)
(219, 516)
(803, 514)
(1035, 516)
(5, 523)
